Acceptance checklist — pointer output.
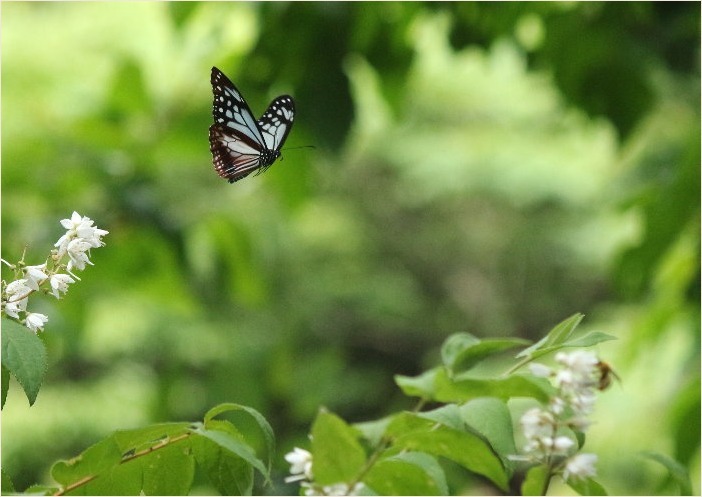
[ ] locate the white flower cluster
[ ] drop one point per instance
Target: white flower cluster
(576, 380)
(300, 462)
(79, 238)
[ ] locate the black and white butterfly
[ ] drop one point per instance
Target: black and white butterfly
(241, 145)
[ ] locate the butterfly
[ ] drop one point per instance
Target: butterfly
(239, 143)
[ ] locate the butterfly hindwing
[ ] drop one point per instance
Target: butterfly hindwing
(232, 156)
(241, 145)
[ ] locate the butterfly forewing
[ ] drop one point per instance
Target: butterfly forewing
(241, 145)
(276, 122)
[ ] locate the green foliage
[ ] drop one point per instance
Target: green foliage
(23, 356)
(416, 433)
(491, 418)
(678, 472)
(561, 336)
(587, 486)
(536, 481)
(229, 473)
(435, 384)
(462, 351)
(410, 473)
(336, 449)
(5, 383)
(161, 459)
(6, 483)
(473, 431)
(481, 167)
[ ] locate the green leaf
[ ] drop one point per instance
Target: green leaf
(580, 438)
(502, 388)
(561, 337)
(589, 339)
(536, 481)
(436, 385)
(148, 436)
(336, 453)
(448, 415)
(5, 384)
(415, 433)
(410, 473)
(423, 386)
(237, 447)
(167, 471)
(123, 479)
(373, 431)
(677, 471)
(263, 424)
(155, 465)
(558, 335)
(587, 486)
(584, 341)
(24, 355)
(230, 474)
(95, 460)
(462, 351)
(455, 345)
(6, 483)
(492, 419)
(39, 490)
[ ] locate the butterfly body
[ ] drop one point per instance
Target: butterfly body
(240, 144)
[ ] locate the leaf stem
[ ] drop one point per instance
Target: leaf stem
(521, 363)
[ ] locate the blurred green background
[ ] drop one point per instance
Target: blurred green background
(482, 167)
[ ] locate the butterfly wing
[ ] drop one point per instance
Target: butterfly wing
(241, 145)
(276, 122)
(233, 156)
(231, 110)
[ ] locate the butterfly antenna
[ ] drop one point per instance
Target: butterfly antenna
(302, 146)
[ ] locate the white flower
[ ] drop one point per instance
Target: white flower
(15, 298)
(336, 489)
(73, 223)
(35, 276)
(300, 462)
(359, 489)
(580, 423)
(532, 446)
(77, 252)
(557, 405)
(13, 309)
(540, 370)
(582, 363)
(36, 321)
(579, 374)
(79, 228)
(561, 445)
(62, 244)
(343, 489)
(59, 283)
(18, 291)
(583, 401)
(537, 423)
(580, 466)
(564, 379)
